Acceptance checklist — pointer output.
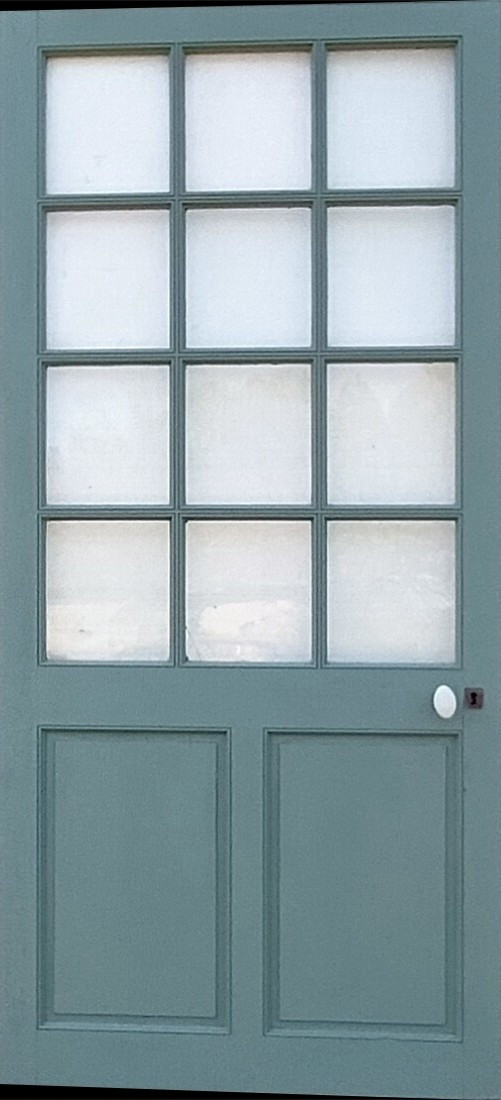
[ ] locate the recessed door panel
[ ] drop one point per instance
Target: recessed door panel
(111, 954)
(363, 936)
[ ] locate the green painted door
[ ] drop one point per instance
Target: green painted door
(250, 454)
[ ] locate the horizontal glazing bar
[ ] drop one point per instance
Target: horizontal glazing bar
(246, 355)
(345, 354)
(84, 665)
(409, 196)
(362, 512)
(132, 49)
(106, 202)
(107, 511)
(392, 354)
(397, 511)
(251, 512)
(251, 198)
(108, 358)
(265, 46)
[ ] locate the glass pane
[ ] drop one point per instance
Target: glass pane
(248, 278)
(391, 433)
(391, 276)
(248, 121)
(108, 279)
(107, 124)
(108, 590)
(248, 434)
(391, 591)
(107, 435)
(248, 591)
(391, 118)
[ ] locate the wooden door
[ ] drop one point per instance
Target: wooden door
(250, 455)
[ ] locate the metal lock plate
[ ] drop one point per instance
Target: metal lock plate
(474, 698)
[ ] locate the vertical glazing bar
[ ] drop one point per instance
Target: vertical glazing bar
(41, 300)
(319, 466)
(42, 123)
(178, 323)
(459, 176)
(458, 73)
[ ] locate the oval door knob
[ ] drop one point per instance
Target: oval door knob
(444, 701)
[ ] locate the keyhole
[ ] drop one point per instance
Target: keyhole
(474, 698)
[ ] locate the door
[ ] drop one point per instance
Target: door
(250, 523)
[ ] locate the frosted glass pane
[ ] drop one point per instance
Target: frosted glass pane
(108, 279)
(248, 591)
(391, 275)
(248, 121)
(391, 434)
(107, 435)
(108, 590)
(107, 124)
(391, 118)
(248, 278)
(248, 434)
(391, 591)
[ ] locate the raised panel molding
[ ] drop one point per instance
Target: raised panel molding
(363, 885)
(134, 879)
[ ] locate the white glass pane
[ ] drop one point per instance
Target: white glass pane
(391, 118)
(391, 275)
(108, 279)
(248, 121)
(107, 435)
(108, 590)
(107, 124)
(248, 591)
(391, 433)
(391, 591)
(248, 434)
(248, 278)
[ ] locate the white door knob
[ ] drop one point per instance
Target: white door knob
(444, 701)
